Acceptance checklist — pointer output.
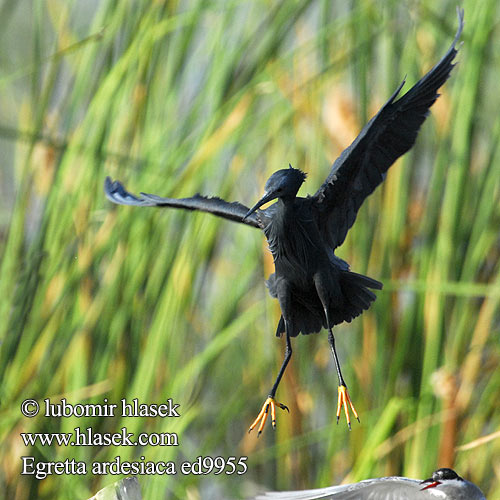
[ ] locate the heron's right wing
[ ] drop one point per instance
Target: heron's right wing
(388, 135)
(116, 192)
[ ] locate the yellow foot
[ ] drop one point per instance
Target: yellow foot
(344, 400)
(262, 416)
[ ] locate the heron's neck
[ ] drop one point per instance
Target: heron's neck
(286, 203)
(285, 214)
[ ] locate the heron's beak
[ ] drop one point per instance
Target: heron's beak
(271, 195)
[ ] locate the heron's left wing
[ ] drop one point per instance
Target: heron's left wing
(388, 135)
(116, 192)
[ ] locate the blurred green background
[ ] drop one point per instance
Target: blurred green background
(99, 301)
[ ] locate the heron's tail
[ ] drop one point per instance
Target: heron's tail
(357, 296)
(309, 317)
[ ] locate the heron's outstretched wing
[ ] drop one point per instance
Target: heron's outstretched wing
(388, 135)
(235, 211)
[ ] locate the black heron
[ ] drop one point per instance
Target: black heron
(314, 287)
(445, 484)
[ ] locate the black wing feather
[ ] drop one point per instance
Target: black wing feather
(389, 134)
(116, 192)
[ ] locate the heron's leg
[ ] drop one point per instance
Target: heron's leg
(271, 403)
(344, 399)
(288, 355)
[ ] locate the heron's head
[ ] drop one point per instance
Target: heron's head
(282, 184)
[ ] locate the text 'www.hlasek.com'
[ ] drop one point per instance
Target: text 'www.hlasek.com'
(85, 435)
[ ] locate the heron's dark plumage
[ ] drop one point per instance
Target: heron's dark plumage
(389, 134)
(315, 288)
(234, 211)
